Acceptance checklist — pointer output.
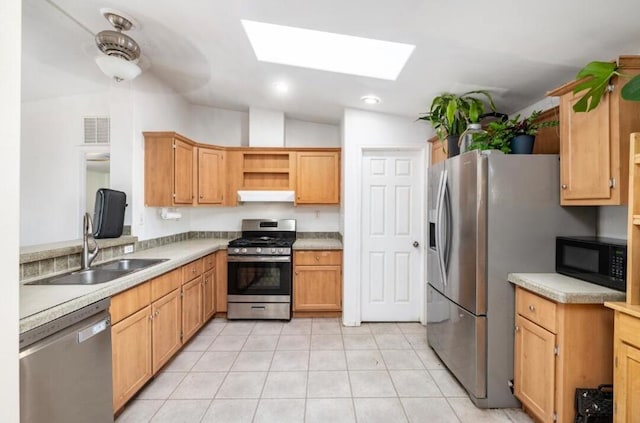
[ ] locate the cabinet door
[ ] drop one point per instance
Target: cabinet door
(627, 383)
(437, 151)
(585, 151)
(318, 178)
(221, 282)
(534, 372)
(210, 176)
(131, 355)
(183, 173)
(317, 288)
(209, 294)
(192, 315)
(165, 328)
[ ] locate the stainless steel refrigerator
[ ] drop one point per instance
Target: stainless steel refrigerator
(489, 214)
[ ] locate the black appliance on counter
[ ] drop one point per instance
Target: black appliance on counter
(598, 260)
(260, 270)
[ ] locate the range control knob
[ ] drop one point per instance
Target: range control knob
(273, 250)
(258, 250)
(279, 250)
(236, 250)
(244, 250)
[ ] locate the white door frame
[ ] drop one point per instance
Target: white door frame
(354, 291)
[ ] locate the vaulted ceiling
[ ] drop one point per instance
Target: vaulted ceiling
(518, 50)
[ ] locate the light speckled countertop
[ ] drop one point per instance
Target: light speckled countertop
(565, 289)
(40, 304)
(317, 244)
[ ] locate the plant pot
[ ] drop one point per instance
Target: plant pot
(522, 144)
(452, 145)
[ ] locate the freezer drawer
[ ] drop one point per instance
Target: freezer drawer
(459, 339)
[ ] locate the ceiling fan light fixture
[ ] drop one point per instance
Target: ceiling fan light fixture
(120, 50)
(118, 68)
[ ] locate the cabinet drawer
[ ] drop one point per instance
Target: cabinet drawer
(627, 329)
(192, 270)
(166, 283)
(317, 257)
(128, 302)
(209, 261)
(537, 309)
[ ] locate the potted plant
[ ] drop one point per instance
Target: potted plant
(512, 135)
(598, 76)
(450, 114)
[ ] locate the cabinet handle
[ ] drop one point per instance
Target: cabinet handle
(156, 313)
(193, 270)
(517, 328)
(296, 272)
(532, 308)
(563, 186)
(317, 258)
(151, 317)
(201, 197)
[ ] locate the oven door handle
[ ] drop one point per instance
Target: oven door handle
(258, 259)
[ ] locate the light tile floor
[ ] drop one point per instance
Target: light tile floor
(308, 370)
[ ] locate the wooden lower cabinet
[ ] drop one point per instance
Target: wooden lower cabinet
(558, 348)
(534, 373)
(209, 293)
(131, 354)
(626, 377)
(317, 281)
(221, 281)
(165, 328)
(192, 312)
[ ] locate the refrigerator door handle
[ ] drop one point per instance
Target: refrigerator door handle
(440, 247)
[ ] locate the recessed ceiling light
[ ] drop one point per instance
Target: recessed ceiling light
(281, 87)
(327, 51)
(370, 99)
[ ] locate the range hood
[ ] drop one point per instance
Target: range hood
(266, 196)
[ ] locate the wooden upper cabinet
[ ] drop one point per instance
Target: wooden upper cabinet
(437, 150)
(211, 180)
(594, 146)
(318, 177)
(168, 169)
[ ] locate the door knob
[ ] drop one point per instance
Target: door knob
(416, 244)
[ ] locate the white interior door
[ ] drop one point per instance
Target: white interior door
(392, 202)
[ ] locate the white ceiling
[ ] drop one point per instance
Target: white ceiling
(519, 50)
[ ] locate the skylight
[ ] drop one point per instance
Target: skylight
(327, 51)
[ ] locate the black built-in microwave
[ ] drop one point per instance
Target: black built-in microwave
(598, 260)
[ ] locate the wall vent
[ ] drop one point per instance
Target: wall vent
(97, 130)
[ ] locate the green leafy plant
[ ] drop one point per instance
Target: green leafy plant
(499, 134)
(449, 113)
(598, 76)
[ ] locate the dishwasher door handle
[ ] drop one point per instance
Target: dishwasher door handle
(93, 330)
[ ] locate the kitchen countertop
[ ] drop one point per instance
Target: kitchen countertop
(317, 244)
(40, 304)
(565, 289)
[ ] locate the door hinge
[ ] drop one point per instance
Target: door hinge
(174, 145)
(181, 335)
(555, 417)
(556, 350)
(174, 195)
(181, 294)
(612, 183)
(610, 88)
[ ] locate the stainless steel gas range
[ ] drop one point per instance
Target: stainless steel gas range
(260, 270)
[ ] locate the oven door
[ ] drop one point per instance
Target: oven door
(262, 276)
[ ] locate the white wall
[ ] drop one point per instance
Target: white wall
(612, 221)
(210, 125)
(298, 133)
(10, 35)
(52, 166)
(363, 129)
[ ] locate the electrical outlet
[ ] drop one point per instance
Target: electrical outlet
(128, 249)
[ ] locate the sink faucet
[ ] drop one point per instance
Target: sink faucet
(88, 255)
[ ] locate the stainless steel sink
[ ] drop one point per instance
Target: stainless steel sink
(99, 274)
(129, 265)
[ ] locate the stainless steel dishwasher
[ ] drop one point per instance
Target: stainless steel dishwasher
(65, 369)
